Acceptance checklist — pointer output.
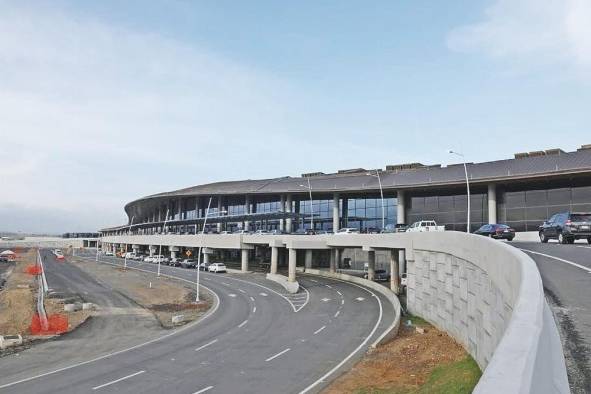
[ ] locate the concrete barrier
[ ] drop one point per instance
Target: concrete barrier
(393, 328)
(489, 297)
(10, 340)
(291, 287)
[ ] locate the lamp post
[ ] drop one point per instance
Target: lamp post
(381, 195)
(309, 187)
(128, 230)
(467, 185)
(160, 249)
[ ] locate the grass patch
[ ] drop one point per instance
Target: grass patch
(416, 321)
(459, 377)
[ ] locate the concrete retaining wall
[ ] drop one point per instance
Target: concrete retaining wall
(489, 297)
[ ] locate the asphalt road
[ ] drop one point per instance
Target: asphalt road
(257, 340)
(566, 275)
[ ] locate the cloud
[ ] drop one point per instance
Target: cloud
(531, 33)
(94, 115)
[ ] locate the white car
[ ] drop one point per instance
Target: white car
(107, 253)
(217, 267)
(424, 226)
(347, 230)
(148, 259)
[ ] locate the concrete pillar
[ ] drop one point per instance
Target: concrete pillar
(152, 249)
(206, 259)
(338, 253)
(335, 213)
(401, 209)
(288, 209)
(274, 255)
(219, 210)
(291, 276)
(333, 260)
(247, 211)
(394, 271)
(371, 265)
(492, 203)
(179, 208)
(282, 208)
(244, 256)
(308, 258)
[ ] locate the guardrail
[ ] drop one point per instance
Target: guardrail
(42, 289)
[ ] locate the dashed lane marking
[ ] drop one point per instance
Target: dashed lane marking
(319, 330)
(359, 299)
(252, 298)
(254, 309)
(338, 312)
(118, 380)
(242, 291)
(232, 295)
(242, 324)
(278, 354)
(203, 390)
(206, 345)
(325, 299)
(263, 294)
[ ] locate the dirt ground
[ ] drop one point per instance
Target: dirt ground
(18, 300)
(402, 365)
(162, 296)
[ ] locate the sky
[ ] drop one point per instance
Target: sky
(105, 102)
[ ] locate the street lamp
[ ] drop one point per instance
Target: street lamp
(201, 247)
(128, 231)
(381, 195)
(467, 185)
(160, 249)
(309, 187)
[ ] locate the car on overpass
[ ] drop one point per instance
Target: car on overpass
(497, 231)
(567, 227)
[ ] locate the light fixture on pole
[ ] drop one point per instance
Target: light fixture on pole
(128, 230)
(467, 185)
(381, 195)
(200, 248)
(309, 187)
(160, 249)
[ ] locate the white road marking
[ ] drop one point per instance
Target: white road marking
(242, 324)
(314, 280)
(118, 380)
(206, 345)
(329, 286)
(252, 298)
(339, 293)
(325, 299)
(278, 354)
(254, 309)
(263, 294)
(203, 390)
(359, 299)
(559, 259)
(319, 330)
(242, 291)
(232, 295)
(338, 312)
(227, 284)
(342, 302)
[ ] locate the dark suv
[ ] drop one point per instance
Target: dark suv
(567, 227)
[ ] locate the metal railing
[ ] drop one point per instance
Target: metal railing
(41, 294)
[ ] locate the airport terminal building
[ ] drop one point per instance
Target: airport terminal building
(521, 192)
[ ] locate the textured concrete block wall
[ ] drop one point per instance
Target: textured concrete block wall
(459, 297)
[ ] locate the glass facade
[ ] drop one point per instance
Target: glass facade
(450, 211)
(319, 210)
(365, 213)
(527, 210)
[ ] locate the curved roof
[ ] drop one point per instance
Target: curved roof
(502, 170)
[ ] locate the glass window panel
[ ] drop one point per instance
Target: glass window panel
(559, 197)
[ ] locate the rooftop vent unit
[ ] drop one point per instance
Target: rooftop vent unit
(521, 155)
(584, 147)
(537, 153)
(312, 174)
(555, 151)
(407, 166)
(352, 171)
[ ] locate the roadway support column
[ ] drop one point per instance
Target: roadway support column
(288, 207)
(394, 271)
(205, 259)
(371, 265)
(335, 213)
(401, 219)
(308, 258)
(291, 276)
(219, 210)
(274, 255)
(333, 260)
(247, 211)
(244, 255)
(282, 207)
(492, 204)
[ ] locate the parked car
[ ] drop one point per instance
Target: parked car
(379, 276)
(497, 231)
(276, 232)
(261, 232)
(424, 226)
(129, 255)
(567, 227)
(371, 230)
(217, 267)
(188, 263)
(322, 232)
(174, 262)
(347, 230)
(395, 228)
(107, 253)
(139, 257)
(304, 231)
(148, 259)
(204, 266)
(241, 232)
